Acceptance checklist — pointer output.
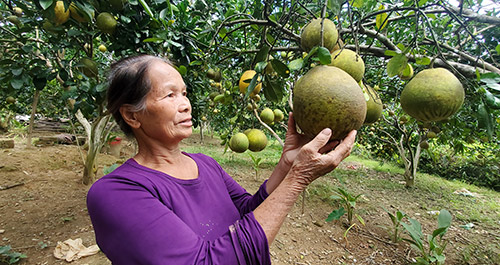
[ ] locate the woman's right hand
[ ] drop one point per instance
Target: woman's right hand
(313, 161)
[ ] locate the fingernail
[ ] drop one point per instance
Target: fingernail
(326, 131)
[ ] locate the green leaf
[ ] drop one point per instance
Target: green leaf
(390, 53)
(324, 55)
(396, 64)
(335, 6)
(147, 9)
(335, 214)
(439, 231)
(280, 68)
(296, 64)
(17, 83)
(484, 119)
(46, 4)
(262, 54)
(260, 66)
(381, 19)
(357, 3)
(182, 70)
(498, 49)
(415, 230)
(401, 46)
(156, 40)
(17, 71)
(491, 100)
(360, 219)
(423, 60)
(269, 91)
(444, 219)
(252, 85)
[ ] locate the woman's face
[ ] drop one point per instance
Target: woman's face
(168, 111)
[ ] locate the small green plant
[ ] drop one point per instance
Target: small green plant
(7, 256)
(436, 244)
(347, 201)
(256, 164)
(396, 224)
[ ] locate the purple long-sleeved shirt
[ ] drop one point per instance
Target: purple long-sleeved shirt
(143, 216)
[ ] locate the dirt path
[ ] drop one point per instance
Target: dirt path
(48, 206)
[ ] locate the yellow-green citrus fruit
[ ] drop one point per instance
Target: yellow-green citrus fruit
(106, 23)
(424, 144)
(374, 105)
(432, 95)
(244, 82)
(213, 95)
(249, 106)
(88, 67)
(103, 48)
(257, 140)
(14, 20)
(61, 13)
(278, 115)
(239, 143)
(431, 134)
(78, 15)
(328, 97)
(17, 11)
(350, 62)
(311, 34)
(407, 73)
(211, 73)
(267, 116)
(436, 129)
(11, 100)
(339, 45)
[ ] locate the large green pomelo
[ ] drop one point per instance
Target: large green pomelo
(239, 143)
(374, 105)
(432, 95)
(311, 34)
(350, 62)
(257, 140)
(106, 23)
(328, 97)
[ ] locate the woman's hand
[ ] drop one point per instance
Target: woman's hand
(319, 156)
(294, 142)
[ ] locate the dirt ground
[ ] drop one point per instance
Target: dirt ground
(48, 206)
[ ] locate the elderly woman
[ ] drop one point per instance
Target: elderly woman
(165, 206)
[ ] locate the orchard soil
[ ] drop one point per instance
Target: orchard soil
(49, 206)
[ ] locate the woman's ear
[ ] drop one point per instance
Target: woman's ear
(130, 117)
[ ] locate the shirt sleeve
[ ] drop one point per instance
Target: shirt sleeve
(244, 201)
(133, 227)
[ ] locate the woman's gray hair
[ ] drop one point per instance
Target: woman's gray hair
(129, 85)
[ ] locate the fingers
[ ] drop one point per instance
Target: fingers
(291, 124)
(320, 140)
(343, 150)
(329, 147)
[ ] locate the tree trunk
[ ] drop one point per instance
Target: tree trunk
(97, 133)
(32, 118)
(201, 131)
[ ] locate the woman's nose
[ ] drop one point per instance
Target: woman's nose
(185, 105)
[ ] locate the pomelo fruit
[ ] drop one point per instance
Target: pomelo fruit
(278, 115)
(432, 95)
(106, 23)
(245, 80)
(350, 62)
(257, 140)
(311, 34)
(374, 104)
(328, 97)
(239, 143)
(61, 13)
(267, 116)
